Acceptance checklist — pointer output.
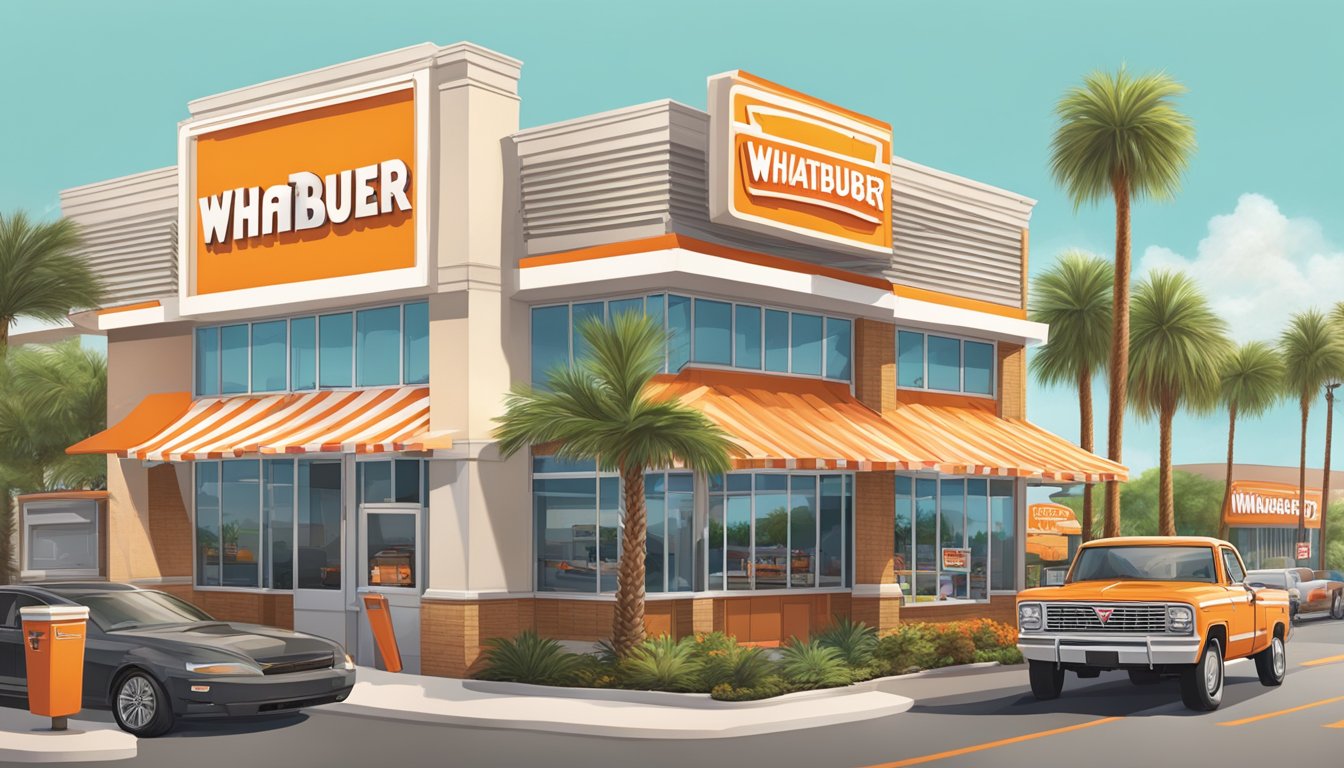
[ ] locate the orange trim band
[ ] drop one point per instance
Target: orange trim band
(130, 307)
(667, 242)
(960, 302)
(60, 496)
(761, 82)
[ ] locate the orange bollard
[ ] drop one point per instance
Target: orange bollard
(380, 621)
(54, 650)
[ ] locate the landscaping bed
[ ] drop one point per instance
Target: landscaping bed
(845, 653)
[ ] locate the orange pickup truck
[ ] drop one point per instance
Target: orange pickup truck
(1172, 606)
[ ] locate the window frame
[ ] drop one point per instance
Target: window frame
(25, 542)
(733, 304)
(961, 370)
(991, 588)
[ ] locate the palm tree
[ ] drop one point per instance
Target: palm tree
(41, 274)
(1337, 318)
(1120, 136)
(1179, 345)
(1313, 354)
(50, 397)
(597, 410)
(1073, 297)
(1251, 383)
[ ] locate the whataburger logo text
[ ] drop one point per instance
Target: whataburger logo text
(780, 171)
(1254, 503)
(307, 201)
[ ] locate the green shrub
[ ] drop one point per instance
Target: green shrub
(908, 646)
(528, 658)
(1001, 655)
(662, 664)
(813, 665)
(769, 687)
(952, 645)
(736, 667)
(708, 644)
(854, 640)
(606, 652)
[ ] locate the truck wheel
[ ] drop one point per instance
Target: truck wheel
(1144, 677)
(1337, 606)
(1271, 664)
(1047, 680)
(1202, 682)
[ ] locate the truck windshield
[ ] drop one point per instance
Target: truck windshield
(1138, 563)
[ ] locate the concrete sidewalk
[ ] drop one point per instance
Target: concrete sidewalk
(604, 712)
(26, 738)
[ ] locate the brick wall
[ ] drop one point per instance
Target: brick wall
(882, 613)
(1012, 381)
(271, 609)
(874, 527)
(875, 364)
(169, 522)
(1000, 608)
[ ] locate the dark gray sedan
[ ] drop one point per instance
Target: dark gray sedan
(152, 658)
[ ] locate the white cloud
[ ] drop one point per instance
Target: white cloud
(1258, 266)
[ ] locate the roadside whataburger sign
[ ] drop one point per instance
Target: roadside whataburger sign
(1270, 504)
(787, 164)
(311, 199)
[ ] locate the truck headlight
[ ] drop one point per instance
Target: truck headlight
(1180, 619)
(1029, 617)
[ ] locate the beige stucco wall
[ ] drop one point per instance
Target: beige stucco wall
(140, 362)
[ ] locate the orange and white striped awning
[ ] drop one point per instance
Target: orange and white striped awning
(350, 421)
(783, 422)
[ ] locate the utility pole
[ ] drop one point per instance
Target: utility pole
(1325, 480)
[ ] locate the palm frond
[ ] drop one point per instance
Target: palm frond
(1252, 378)
(1118, 125)
(1313, 354)
(1177, 345)
(1073, 297)
(42, 274)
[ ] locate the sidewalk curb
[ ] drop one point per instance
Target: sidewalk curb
(77, 746)
(897, 705)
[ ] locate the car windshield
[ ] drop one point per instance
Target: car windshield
(1139, 563)
(112, 611)
(1267, 578)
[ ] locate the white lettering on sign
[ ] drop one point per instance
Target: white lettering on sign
(306, 202)
(1249, 503)
(779, 167)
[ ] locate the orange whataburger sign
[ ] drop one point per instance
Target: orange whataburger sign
(1052, 518)
(786, 164)
(1255, 504)
(309, 194)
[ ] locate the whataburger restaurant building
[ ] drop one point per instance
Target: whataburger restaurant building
(315, 315)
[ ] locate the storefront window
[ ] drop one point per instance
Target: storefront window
(268, 356)
(565, 512)
(317, 551)
(778, 531)
(958, 536)
(389, 546)
(207, 523)
(233, 356)
(550, 340)
(944, 363)
(747, 336)
(277, 510)
(708, 332)
(582, 312)
(713, 332)
(207, 361)
(415, 341)
(389, 346)
(240, 523)
(378, 347)
(303, 353)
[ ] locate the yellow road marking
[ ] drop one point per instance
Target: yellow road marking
(1339, 724)
(1326, 660)
(1289, 711)
(992, 744)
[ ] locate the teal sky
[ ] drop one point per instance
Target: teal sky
(95, 90)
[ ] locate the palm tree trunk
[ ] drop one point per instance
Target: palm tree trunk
(1227, 485)
(1302, 478)
(627, 625)
(1325, 473)
(1119, 370)
(1166, 508)
(1085, 438)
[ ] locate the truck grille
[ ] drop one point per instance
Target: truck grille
(1148, 619)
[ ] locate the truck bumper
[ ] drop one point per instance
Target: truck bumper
(1109, 650)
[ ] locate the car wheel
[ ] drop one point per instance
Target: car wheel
(1202, 683)
(1047, 680)
(1144, 677)
(1271, 664)
(1337, 606)
(140, 705)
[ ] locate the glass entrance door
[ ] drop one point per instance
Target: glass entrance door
(319, 604)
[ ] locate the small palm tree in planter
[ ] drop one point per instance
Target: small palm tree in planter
(597, 410)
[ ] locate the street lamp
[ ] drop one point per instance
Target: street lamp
(1330, 388)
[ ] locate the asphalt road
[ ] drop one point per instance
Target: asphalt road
(973, 718)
